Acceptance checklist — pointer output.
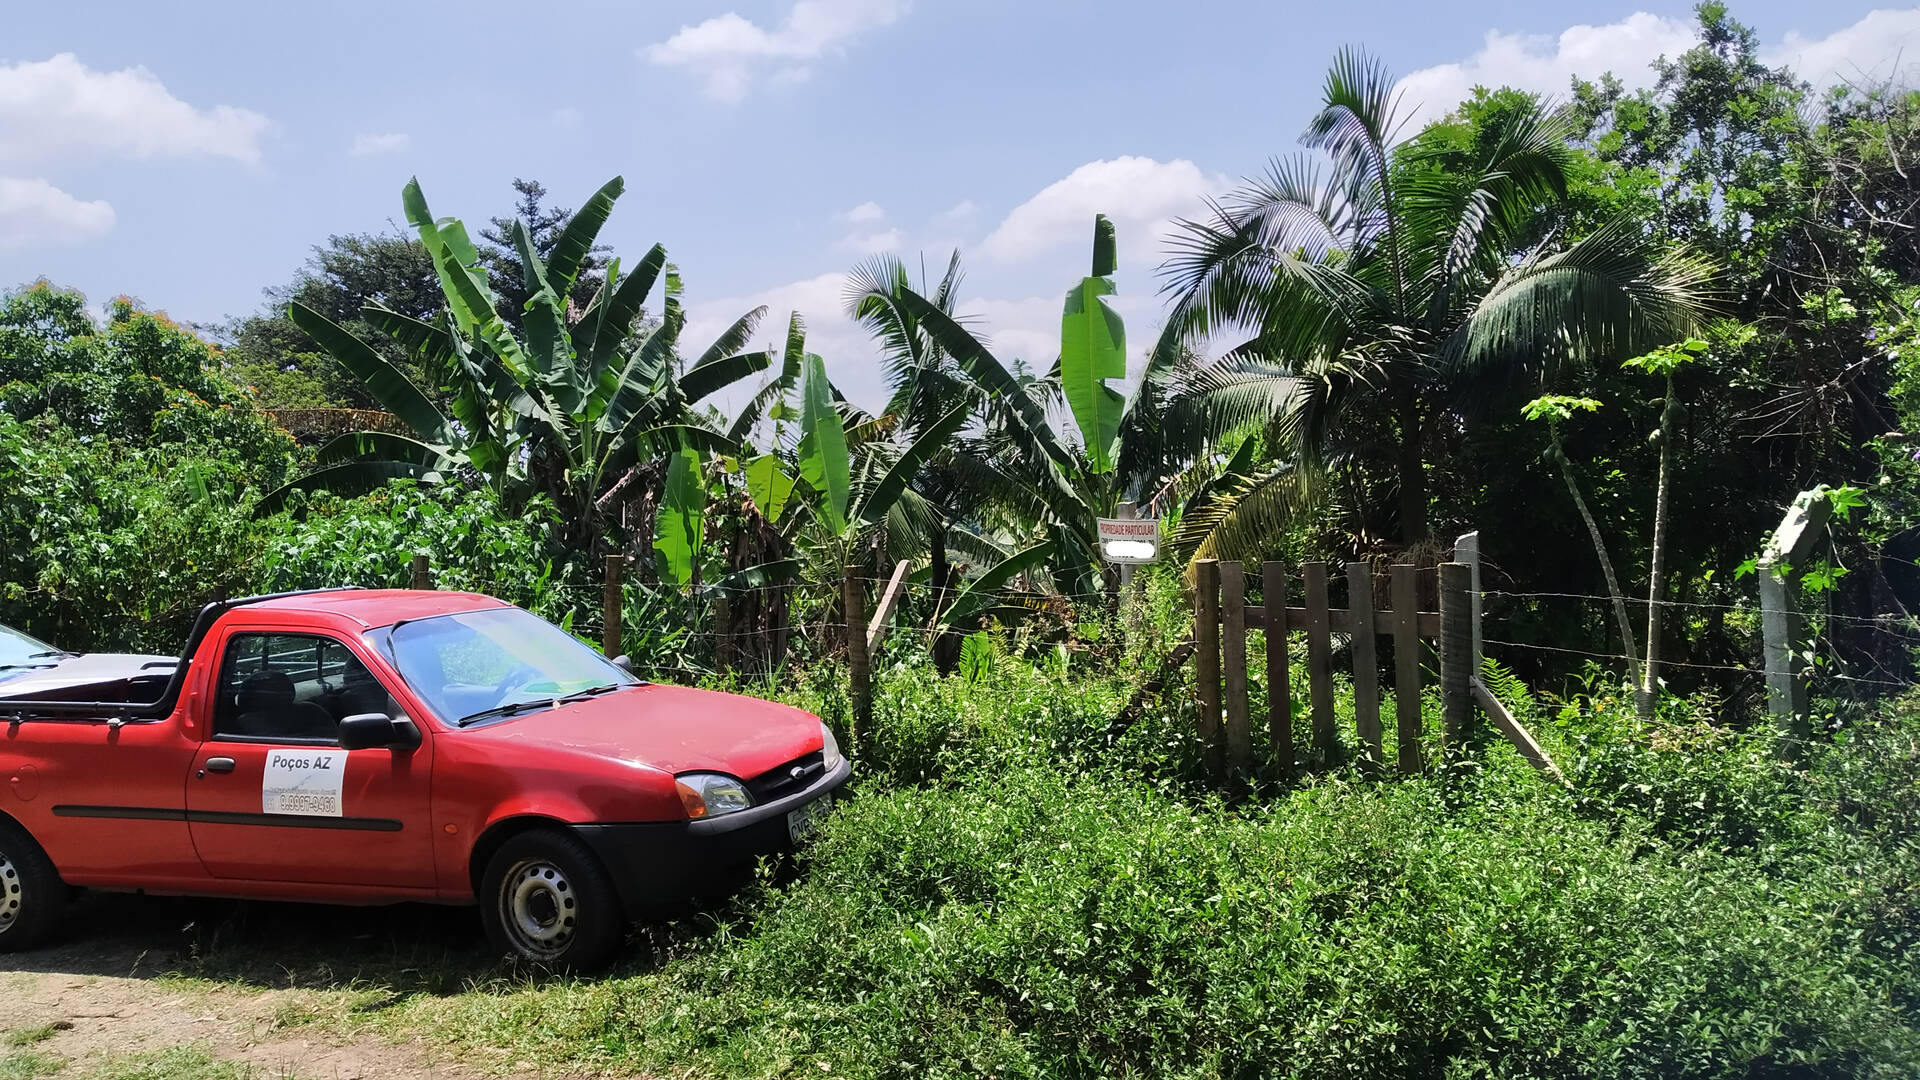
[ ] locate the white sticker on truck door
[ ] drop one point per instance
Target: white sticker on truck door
(304, 782)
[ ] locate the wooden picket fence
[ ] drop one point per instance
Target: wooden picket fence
(1222, 618)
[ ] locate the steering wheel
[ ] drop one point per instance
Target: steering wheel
(518, 677)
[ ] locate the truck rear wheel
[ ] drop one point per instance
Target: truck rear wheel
(32, 896)
(546, 900)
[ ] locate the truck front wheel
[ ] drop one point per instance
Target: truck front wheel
(546, 900)
(32, 896)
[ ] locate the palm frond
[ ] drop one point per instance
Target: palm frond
(1618, 290)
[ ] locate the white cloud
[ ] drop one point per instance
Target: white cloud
(1141, 195)
(391, 142)
(865, 213)
(960, 211)
(1547, 64)
(726, 50)
(35, 214)
(867, 243)
(1883, 45)
(60, 109)
(852, 361)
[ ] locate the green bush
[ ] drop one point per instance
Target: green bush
(473, 542)
(1033, 923)
(995, 904)
(106, 546)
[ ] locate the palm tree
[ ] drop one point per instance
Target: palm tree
(1362, 305)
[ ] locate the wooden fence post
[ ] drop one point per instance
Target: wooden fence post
(1406, 668)
(422, 575)
(1206, 659)
(1456, 650)
(1279, 684)
(610, 636)
(1326, 737)
(883, 611)
(1366, 663)
(1233, 631)
(855, 597)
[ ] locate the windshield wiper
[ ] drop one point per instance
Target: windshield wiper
(591, 691)
(11, 667)
(49, 652)
(513, 708)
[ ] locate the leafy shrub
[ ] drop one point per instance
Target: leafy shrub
(1029, 920)
(106, 546)
(473, 543)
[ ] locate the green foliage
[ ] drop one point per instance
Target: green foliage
(125, 456)
(989, 908)
(1093, 349)
(551, 407)
(824, 463)
(105, 546)
(1667, 360)
(677, 537)
(475, 544)
(1558, 408)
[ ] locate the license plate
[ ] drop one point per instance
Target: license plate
(802, 822)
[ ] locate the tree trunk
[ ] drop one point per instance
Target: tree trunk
(1620, 615)
(1413, 473)
(946, 647)
(1656, 584)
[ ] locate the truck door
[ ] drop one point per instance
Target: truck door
(273, 797)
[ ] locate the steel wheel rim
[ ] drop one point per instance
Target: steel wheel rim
(11, 893)
(539, 909)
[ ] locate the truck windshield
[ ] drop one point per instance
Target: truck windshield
(480, 664)
(17, 650)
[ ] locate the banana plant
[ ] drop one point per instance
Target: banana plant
(1093, 349)
(1036, 474)
(575, 405)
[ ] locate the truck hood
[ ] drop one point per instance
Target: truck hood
(672, 728)
(91, 677)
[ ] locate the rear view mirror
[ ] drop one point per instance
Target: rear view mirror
(373, 731)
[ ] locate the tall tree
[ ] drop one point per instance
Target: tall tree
(1368, 294)
(545, 225)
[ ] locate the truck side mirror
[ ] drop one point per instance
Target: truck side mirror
(373, 731)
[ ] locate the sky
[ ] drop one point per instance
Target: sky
(191, 154)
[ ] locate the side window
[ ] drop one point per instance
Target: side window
(292, 688)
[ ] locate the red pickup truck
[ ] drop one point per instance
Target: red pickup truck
(375, 746)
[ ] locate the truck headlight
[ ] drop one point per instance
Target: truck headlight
(829, 748)
(708, 795)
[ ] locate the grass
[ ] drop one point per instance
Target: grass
(1017, 893)
(32, 1035)
(173, 1063)
(29, 1065)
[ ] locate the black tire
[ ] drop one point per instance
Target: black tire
(546, 900)
(32, 896)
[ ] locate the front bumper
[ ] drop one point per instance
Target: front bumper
(656, 864)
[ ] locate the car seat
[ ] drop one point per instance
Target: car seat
(265, 708)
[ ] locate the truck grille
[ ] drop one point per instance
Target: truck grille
(787, 779)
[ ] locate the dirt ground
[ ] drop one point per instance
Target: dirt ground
(135, 975)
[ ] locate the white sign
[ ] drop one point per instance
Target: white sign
(304, 782)
(1130, 540)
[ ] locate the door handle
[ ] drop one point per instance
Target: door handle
(220, 764)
